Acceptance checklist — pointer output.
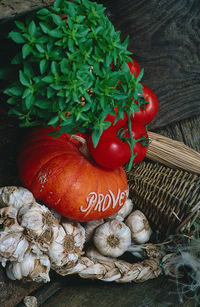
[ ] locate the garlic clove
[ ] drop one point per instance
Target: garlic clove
(15, 196)
(13, 246)
(112, 238)
(123, 212)
(90, 228)
(139, 226)
(39, 224)
(31, 268)
(67, 244)
(76, 230)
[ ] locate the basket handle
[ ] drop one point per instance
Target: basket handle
(173, 153)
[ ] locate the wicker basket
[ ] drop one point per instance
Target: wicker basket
(169, 198)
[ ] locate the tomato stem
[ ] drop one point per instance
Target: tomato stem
(131, 143)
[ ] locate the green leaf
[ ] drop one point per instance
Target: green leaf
(56, 33)
(17, 37)
(23, 78)
(20, 25)
(16, 91)
(44, 27)
(54, 68)
(26, 93)
(29, 101)
(48, 79)
(28, 70)
(43, 12)
(64, 66)
(32, 29)
(96, 134)
(57, 20)
(54, 120)
(42, 104)
(40, 48)
(139, 78)
(50, 92)
(58, 4)
(12, 100)
(26, 50)
(14, 111)
(43, 66)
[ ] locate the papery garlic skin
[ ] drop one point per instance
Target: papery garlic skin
(123, 212)
(90, 228)
(39, 224)
(13, 246)
(16, 197)
(112, 238)
(93, 253)
(31, 268)
(67, 244)
(139, 226)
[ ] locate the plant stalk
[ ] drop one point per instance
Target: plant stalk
(131, 141)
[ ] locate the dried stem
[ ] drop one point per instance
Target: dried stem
(173, 153)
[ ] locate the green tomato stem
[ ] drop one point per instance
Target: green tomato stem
(131, 143)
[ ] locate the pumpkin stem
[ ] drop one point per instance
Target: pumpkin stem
(83, 148)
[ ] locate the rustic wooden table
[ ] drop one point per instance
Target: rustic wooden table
(164, 39)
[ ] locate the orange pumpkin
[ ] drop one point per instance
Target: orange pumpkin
(58, 174)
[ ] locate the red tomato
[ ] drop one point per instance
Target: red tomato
(134, 68)
(110, 152)
(146, 115)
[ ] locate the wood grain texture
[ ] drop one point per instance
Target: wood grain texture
(165, 40)
(11, 9)
(186, 131)
(12, 292)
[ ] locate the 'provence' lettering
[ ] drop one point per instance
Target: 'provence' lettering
(100, 202)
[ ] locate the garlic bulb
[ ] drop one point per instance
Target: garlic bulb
(139, 226)
(39, 224)
(112, 238)
(14, 196)
(123, 212)
(13, 246)
(67, 244)
(31, 268)
(90, 228)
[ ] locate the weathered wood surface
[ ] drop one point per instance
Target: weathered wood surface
(164, 39)
(12, 292)
(12, 9)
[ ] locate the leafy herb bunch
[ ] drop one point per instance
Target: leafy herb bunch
(65, 75)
